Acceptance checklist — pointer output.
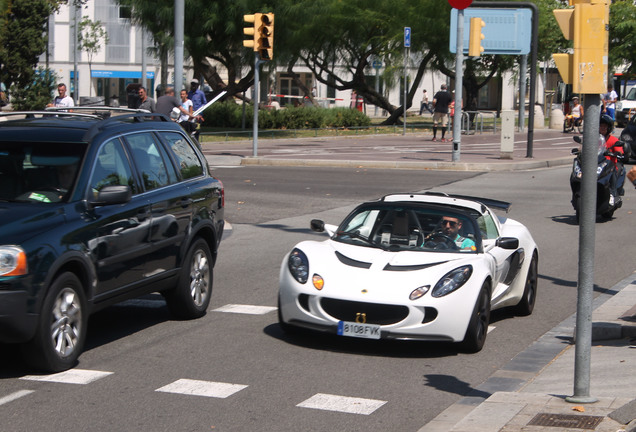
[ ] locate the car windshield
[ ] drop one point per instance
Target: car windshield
(399, 227)
(631, 95)
(38, 172)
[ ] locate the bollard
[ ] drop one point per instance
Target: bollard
(507, 134)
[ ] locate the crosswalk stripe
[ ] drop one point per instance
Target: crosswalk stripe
(202, 388)
(15, 395)
(245, 309)
(72, 376)
(343, 404)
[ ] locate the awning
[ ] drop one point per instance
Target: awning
(120, 74)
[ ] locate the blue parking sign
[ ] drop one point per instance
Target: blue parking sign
(407, 37)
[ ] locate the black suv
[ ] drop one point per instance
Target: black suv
(96, 209)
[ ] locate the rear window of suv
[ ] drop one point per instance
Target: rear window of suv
(187, 160)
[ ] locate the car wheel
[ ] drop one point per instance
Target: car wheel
(478, 326)
(61, 330)
(526, 304)
(191, 297)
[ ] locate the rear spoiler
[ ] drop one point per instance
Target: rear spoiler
(488, 202)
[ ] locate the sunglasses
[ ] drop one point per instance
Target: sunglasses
(449, 222)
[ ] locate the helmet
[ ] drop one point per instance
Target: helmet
(607, 120)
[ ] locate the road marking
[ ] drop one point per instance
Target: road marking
(202, 388)
(344, 404)
(491, 328)
(73, 376)
(14, 396)
(245, 309)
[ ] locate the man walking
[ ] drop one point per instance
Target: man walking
(196, 95)
(441, 101)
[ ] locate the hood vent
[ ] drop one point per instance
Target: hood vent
(351, 262)
(390, 267)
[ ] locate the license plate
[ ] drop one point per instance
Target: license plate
(352, 329)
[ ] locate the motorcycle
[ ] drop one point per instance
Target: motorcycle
(608, 173)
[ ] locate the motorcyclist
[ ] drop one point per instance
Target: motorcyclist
(606, 126)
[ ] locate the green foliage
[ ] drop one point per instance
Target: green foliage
(22, 39)
(37, 94)
(622, 43)
(229, 115)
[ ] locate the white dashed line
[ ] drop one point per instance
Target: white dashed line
(202, 388)
(245, 309)
(14, 396)
(344, 404)
(73, 376)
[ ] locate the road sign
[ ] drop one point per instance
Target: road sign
(407, 37)
(460, 4)
(507, 31)
(377, 64)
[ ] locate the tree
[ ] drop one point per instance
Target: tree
(22, 39)
(90, 37)
(622, 35)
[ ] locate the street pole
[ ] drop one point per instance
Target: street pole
(257, 63)
(522, 92)
(587, 232)
(75, 51)
(179, 12)
(406, 50)
(459, 78)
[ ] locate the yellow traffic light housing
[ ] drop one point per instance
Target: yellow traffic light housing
(264, 37)
(475, 38)
(588, 26)
(250, 31)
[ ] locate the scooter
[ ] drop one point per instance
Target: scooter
(607, 201)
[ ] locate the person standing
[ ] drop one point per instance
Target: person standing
(424, 105)
(62, 100)
(184, 119)
(196, 95)
(145, 102)
(441, 101)
(609, 102)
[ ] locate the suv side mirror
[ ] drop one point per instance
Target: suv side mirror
(110, 195)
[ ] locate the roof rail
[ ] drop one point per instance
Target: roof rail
(47, 113)
(136, 116)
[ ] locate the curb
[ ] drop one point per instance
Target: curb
(441, 166)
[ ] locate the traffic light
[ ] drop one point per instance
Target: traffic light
(250, 31)
(588, 26)
(476, 37)
(264, 38)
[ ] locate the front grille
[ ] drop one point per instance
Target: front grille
(381, 314)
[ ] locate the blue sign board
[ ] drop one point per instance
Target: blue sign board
(120, 74)
(377, 64)
(407, 37)
(507, 31)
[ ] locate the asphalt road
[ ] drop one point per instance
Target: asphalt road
(264, 380)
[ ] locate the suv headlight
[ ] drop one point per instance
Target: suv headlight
(298, 265)
(452, 281)
(13, 261)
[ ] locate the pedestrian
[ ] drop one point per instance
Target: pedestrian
(146, 103)
(441, 101)
(167, 103)
(62, 100)
(184, 119)
(609, 102)
(424, 105)
(196, 95)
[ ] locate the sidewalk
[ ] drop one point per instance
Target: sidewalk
(479, 152)
(527, 394)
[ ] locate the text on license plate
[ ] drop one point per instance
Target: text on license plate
(368, 331)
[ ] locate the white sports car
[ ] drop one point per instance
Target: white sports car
(411, 266)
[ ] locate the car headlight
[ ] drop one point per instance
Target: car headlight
(419, 292)
(298, 265)
(13, 261)
(452, 281)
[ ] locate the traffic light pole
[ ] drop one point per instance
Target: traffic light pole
(257, 64)
(459, 85)
(587, 233)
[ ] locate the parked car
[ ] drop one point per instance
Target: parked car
(94, 211)
(628, 136)
(411, 266)
(626, 107)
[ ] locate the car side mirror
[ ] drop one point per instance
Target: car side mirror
(317, 225)
(110, 195)
(508, 243)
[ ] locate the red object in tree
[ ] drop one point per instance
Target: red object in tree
(460, 4)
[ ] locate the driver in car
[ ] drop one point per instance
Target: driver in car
(450, 227)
